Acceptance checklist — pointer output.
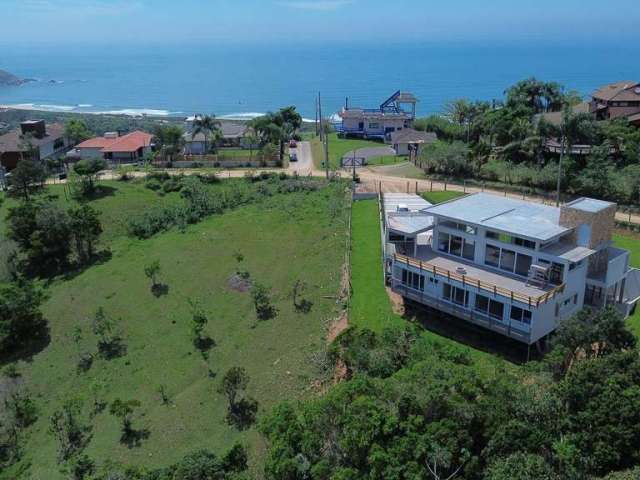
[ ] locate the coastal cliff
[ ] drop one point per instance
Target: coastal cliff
(8, 79)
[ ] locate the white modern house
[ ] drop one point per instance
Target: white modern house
(515, 267)
(396, 113)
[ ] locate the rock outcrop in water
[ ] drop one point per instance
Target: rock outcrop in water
(8, 79)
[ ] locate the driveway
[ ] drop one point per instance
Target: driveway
(304, 165)
(370, 152)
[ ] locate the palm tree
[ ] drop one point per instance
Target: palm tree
(207, 125)
(574, 127)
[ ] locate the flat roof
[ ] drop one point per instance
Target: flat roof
(518, 217)
(568, 252)
(415, 203)
(590, 205)
(412, 222)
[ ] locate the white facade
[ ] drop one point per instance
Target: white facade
(484, 275)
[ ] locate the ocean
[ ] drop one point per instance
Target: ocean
(243, 81)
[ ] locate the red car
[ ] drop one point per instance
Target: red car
(292, 144)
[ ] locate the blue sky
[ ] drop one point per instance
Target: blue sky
(317, 21)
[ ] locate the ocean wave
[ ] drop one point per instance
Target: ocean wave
(241, 116)
(55, 108)
(136, 112)
(85, 105)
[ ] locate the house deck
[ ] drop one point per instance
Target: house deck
(483, 278)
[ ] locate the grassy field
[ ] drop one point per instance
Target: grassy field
(631, 243)
(338, 147)
(387, 160)
(284, 239)
(441, 196)
(402, 169)
(372, 309)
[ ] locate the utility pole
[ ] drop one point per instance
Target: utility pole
(324, 137)
(316, 102)
(562, 144)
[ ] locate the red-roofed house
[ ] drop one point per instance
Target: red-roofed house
(127, 148)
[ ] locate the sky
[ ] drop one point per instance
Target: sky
(315, 21)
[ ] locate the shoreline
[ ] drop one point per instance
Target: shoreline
(150, 113)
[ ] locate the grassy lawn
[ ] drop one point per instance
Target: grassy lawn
(370, 304)
(631, 243)
(387, 160)
(284, 239)
(441, 196)
(401, 169)
(338, 147)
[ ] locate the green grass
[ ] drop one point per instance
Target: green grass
(402, 169)
(338, 147)
(370, 304)
(631, 243)
(286, 238)
(387, 160)
(441, 196)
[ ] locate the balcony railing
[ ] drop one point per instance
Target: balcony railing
(531, 301)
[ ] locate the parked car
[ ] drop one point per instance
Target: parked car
(292, 143)
(293, 157)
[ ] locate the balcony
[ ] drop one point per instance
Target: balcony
(476, 276)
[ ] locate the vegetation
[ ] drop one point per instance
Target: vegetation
(506, 142)
(338, 147)
(441, 196)
(94, 306)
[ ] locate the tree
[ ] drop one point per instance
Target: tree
(278, 127)
(261, 296)
(85, 230)
(242, 410)
(170, 139)
(450, 159)
(72, 434)
(199, 321)
(21, 321)
(233, 382)
(89, 170)
(536, 96)
(27, 175)
(589, 334)
(209, 127)
(109, 335)
(43, 234)
(152, 272)
(77, 131)
(124, 410)
(521, 466)
(575, 128)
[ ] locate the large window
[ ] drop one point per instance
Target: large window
(458, 246)
(492, 256)
(508, 260)
(456, 295)
(489, 307)
(413, 280)
(374, 126)
(523, 264)
(521, 315)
